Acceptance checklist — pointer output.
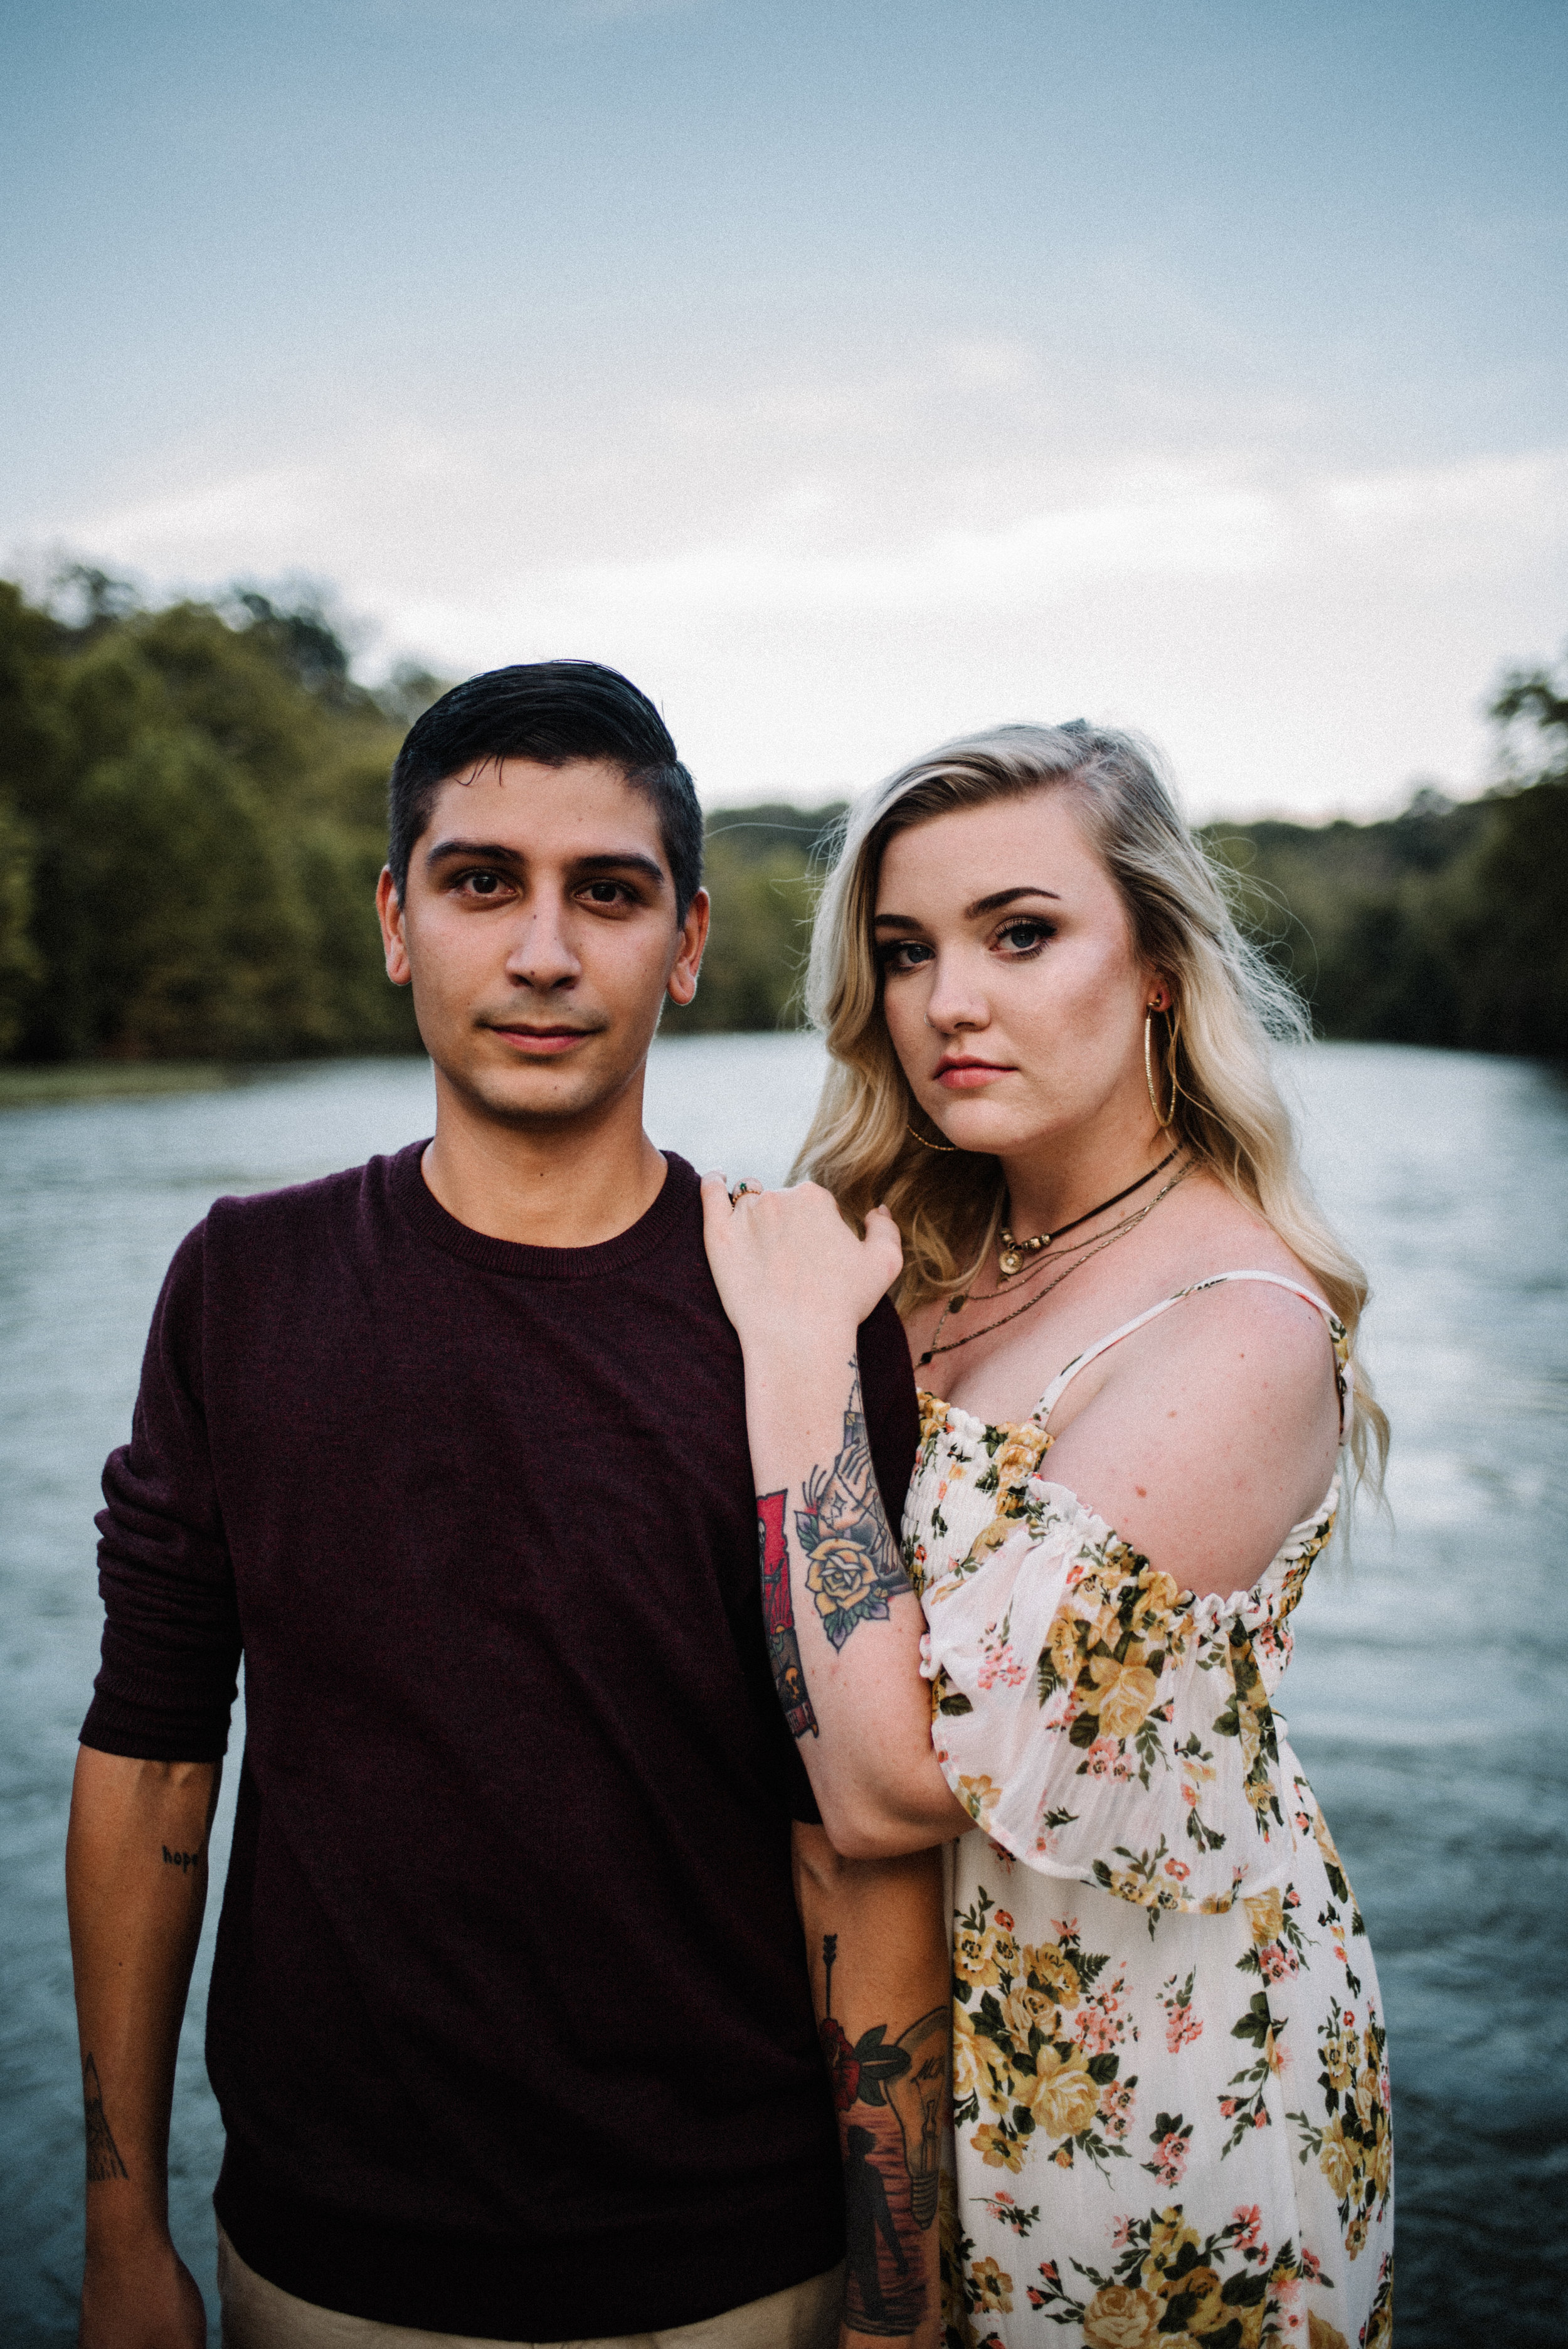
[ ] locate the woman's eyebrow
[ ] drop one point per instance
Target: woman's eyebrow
(1007, 897)
(971, 913)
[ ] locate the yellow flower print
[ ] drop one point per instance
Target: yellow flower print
(1209, 2313)
(1061, 2095)
(975, 1951)
(1121, 2316)
(979, 1798)
(976, 2069)
(1022, 2009)
(998, 2148)
(1168, 2239)
(1017, 1460)
(1369, 2096)
(1321, 2334)
(1380, 2166)
(993, 2286)
(1266, 1914)
(1337, 2160)
(1339, 2058)
(994, 1535)
(1356, 2236)
(1155, 1608)
(1121, 1696)
(1057, 1976)
(1062, 1644)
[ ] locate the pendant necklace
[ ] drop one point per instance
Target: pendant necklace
(1016, 1253)
(1088, 1252)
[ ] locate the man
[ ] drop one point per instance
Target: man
(510, 2022)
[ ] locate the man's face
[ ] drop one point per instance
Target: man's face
(538, 930)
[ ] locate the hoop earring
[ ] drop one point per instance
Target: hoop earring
(1164, 1121)
(952, 1146)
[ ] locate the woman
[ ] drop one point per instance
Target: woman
(1170, 2100)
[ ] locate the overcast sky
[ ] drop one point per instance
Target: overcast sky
(850, 374)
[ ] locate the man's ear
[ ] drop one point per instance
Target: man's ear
(682, 983)
(389, 913)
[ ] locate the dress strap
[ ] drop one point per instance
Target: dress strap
(1342, 1366)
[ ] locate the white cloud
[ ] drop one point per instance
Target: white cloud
(818, 573)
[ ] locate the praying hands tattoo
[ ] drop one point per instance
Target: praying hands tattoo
(853, 1568)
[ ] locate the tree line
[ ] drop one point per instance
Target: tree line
(193, 816)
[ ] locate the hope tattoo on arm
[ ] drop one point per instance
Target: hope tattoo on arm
(890, 2097)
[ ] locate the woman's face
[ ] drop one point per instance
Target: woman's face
(1013, 996)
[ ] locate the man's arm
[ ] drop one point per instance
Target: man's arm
(136, 1886)
(877, 1945)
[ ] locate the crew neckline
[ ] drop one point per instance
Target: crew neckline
(520, 1259)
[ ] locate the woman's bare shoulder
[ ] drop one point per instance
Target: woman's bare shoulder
(1213, 1432)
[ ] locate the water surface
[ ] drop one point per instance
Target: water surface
(1428, 1700)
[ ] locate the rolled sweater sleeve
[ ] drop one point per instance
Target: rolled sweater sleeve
(171, 1629)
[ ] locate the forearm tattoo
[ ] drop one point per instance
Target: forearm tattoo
(890, 2097)
(779, 1616)
(103, 2154)
(853, 1568)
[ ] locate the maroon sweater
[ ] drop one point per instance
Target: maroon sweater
(509, 2020)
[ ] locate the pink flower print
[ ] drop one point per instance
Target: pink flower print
(1182, 2029)
(1179, 1869)
(1190, 1795)
(1277, 1962)
(1095, 2034)
(1099, 1757)
(1349, 2016)
(1005, 1923)
(1311, 2265)
(1247, 2220)
(1228, 2106)
(1170, 2158)
(1120, 2234)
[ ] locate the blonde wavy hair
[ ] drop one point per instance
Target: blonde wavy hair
(1214, 1055)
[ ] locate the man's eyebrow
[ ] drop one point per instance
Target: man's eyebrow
(620, 860)
(488, 852)
(492, 852)
(971, 913)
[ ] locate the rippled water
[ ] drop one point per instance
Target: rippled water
(1429, 1698)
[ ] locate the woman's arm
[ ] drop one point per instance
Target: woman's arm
(844, 1625)
(877, 1946)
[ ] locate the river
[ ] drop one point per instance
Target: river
(1429, 1698)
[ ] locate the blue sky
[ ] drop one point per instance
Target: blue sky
(850, 374)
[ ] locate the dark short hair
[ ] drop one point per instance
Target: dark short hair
(550, 711)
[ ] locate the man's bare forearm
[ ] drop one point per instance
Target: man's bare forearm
(877, 1943)
(136, 1886)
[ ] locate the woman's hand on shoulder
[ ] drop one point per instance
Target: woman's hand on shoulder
(1213, 1433)
(787, 1265)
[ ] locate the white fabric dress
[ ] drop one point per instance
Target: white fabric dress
(1170, 2100)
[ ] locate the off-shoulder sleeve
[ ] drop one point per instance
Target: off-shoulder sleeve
(1103, 1726)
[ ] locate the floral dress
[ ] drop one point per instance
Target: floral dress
(1170, 2091)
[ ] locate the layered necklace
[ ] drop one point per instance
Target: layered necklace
(1016, 1253)
(1081, 1253)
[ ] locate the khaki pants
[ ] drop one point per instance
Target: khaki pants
(258, 2315)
